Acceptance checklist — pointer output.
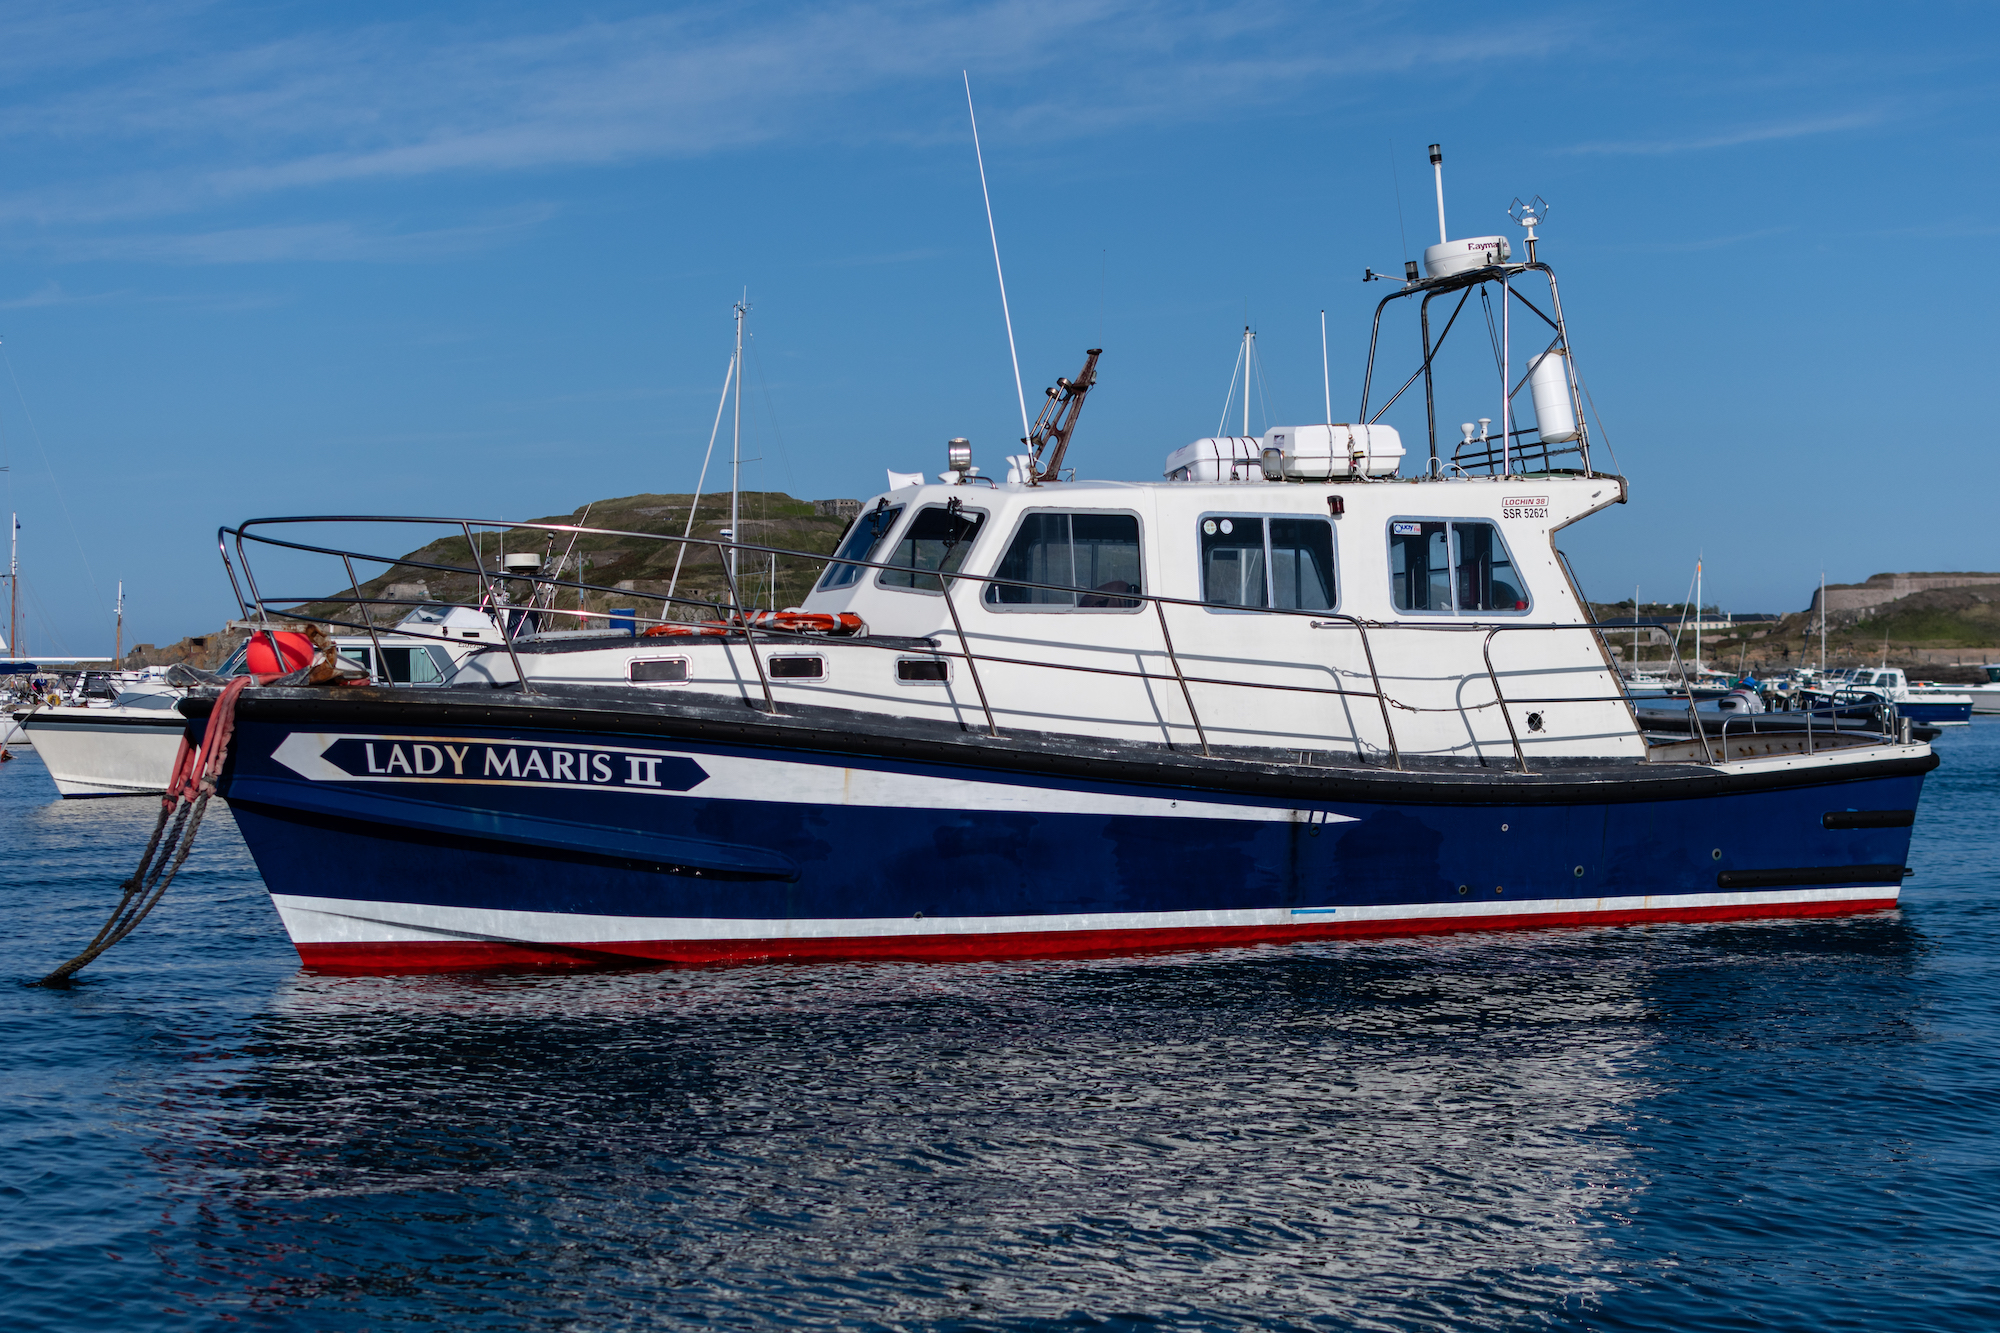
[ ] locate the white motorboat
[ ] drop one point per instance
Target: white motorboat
(125, 746)
(122, 748)
(1940, 706)
(1985, 698)
(1286, 692)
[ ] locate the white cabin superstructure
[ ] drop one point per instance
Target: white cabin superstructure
(1280, 618)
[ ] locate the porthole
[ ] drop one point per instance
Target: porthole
(1716, 854)
(923, 670)
(1579, 872)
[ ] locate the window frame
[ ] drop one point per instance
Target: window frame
(1270, 573)
(632, 663)
(1450, 538)
(901, 531)
(860, 571)
(771, 661)
(992, 578)
(941, 662)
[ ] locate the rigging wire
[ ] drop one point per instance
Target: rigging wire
(714, 431)
(1263, 391)
(1020, 396)
(1602, 433)
(1242, 346)
(1395, 179)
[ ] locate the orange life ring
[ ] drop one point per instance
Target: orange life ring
(809, 622)
(707, 629)
(798, 622)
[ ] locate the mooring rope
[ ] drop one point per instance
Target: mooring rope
(196, 769)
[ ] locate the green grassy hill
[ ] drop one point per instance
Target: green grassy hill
(640, 570)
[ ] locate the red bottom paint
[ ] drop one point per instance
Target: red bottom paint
(497, 955)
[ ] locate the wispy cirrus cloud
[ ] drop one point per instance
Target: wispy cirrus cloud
(232, 117)
(1739, 136)
(314, 242)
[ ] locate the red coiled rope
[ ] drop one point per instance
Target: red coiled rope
(196, 768)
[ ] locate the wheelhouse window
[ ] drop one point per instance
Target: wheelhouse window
(1091, 558)
(865, 538)
(936, 542)
(1452, 567)
(423, 665)
(1285, 563)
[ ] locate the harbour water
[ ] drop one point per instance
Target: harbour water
(1769, 1125)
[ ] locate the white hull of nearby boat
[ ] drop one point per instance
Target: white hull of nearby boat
(12, 732)
(118, 751)
(1985, 698)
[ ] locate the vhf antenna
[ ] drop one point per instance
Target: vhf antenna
(1007, 315)
(1437, 171)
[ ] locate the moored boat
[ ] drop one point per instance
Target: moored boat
(1940, 706)
(125, 744)
(1306, 698)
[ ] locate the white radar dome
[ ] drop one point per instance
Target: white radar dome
(1451, 257)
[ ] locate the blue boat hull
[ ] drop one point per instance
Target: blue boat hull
(441, 847)
(1936, 714)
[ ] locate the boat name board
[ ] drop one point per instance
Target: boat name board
(1524, 506)
(506, 761)
(509, 763)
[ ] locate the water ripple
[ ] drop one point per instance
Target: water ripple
(1732, 1126)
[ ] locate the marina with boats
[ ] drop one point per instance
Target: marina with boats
(1300, 685)
(1290, 691)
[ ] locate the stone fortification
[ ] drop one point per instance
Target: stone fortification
(1881, 588)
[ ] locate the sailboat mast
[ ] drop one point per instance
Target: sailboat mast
(1822, 622)
(1697, 615)
(13, 585)
(736, 442)
(118, 642)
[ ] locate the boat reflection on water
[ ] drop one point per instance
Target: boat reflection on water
(1448, 1129)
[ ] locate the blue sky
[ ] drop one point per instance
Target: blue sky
(291, 258)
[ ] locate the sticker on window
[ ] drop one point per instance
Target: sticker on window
(1409, 529)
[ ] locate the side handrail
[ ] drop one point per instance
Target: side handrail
(489, 581)
(1187, 695)
(1506, 714)
(499, 616)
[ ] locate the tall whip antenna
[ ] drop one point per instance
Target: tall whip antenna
(1020, 397)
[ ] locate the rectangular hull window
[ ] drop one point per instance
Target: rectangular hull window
(1285, 563)
(1093, 559)
(936, 542)
(922, 670)
(798, 668)
(671, 671)
(864, 541)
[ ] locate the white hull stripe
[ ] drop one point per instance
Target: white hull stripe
(731, 778)
(345, 921)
